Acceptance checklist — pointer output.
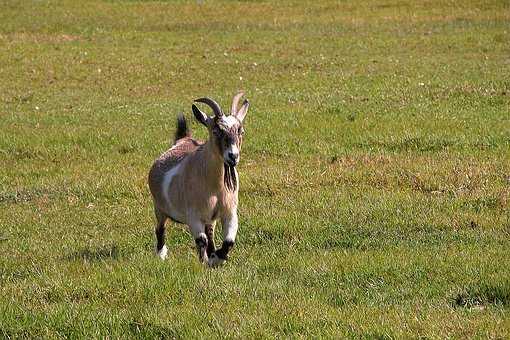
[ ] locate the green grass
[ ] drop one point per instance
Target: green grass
(375, 174)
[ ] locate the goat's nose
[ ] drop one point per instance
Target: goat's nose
(233, 156)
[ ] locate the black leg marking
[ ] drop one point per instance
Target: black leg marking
(201, 243)
(160, 230)
(160, 236)
(209, 232)
(222, 253)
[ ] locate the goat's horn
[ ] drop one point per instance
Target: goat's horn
(214, 106)
(235, 101)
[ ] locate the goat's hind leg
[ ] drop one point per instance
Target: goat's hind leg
(161, 249)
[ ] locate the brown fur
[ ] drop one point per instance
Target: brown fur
(198, 189)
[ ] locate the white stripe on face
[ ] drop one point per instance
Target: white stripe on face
(232, 150)
(230, 121)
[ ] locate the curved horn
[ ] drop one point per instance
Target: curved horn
(235, 101)
(214, 106)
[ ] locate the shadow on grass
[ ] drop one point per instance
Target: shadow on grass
(96, 255)
(485, 294)
(145, 329)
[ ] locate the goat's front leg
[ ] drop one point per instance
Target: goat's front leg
(209, 232)
(198, 231)
(230, 226)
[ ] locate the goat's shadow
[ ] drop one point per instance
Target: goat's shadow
(110, 252)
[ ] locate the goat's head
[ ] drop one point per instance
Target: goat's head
(226, 132)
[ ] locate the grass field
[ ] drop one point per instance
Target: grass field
(375, 173)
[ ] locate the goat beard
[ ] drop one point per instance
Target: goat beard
(229, 177)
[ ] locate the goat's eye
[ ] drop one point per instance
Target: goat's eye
(240, 131)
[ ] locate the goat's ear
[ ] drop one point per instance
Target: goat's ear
(243, 110)
(199, 115)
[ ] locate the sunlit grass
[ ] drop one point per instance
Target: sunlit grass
(375, 174)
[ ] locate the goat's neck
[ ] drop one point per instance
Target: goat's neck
(213, 163)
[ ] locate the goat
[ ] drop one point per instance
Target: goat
(196, 183)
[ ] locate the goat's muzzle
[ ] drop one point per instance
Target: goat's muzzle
(232, 159)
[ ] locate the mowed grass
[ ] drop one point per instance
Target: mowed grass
(375, 173)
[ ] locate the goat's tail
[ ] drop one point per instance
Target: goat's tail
(182, 128)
